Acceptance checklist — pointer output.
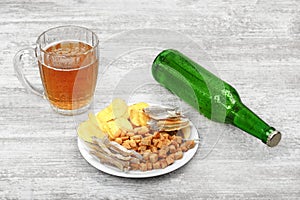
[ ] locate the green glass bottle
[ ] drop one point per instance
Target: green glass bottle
(212, 97)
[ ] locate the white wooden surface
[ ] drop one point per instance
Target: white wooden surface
(254, 45)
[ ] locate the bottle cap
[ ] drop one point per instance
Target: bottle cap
(273, 138)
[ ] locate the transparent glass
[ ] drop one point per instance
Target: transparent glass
(68, 59)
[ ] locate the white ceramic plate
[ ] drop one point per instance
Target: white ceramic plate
(187, 156)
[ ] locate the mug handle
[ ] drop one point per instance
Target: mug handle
(22, 59)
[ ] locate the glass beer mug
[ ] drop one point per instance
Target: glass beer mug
(68, 59)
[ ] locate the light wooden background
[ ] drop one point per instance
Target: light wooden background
(254, 45)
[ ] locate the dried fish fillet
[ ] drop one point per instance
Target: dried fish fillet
(172, 123)
(159, 113)
(164, 125)
(105, 159)
(105, 150)
(114, 154)
(117, 148)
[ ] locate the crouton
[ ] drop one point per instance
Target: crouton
(146, 141)
(178, 139)
(143, 167)
(125, 138)
(166, 135)
(142, 148)
(126, 144)
(149, 165)
(183, 147)
(172, 148)
(159, 144)
(190, 144)
(153, 157)
(162, 153)
(156, 165)
(132, 143)
(146, 155)
(130, 134)
(134, 166)
(167, 142)
(118, 140)
(175, 144)
(163, 163)
(123, 134)
(154, 149)
(136, 137)
(178, 155)
(155, 141)
(170, 159)
(143, 130)
(156, 135)
(166, 148)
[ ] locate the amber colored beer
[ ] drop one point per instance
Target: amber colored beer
(69, 73)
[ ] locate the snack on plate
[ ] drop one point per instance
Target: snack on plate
(136, 114)
(137, 137)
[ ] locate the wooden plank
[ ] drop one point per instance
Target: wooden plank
(252, 45)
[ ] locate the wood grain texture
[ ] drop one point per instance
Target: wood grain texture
(254, 45)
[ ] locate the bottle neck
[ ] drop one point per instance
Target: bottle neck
(243, 118)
